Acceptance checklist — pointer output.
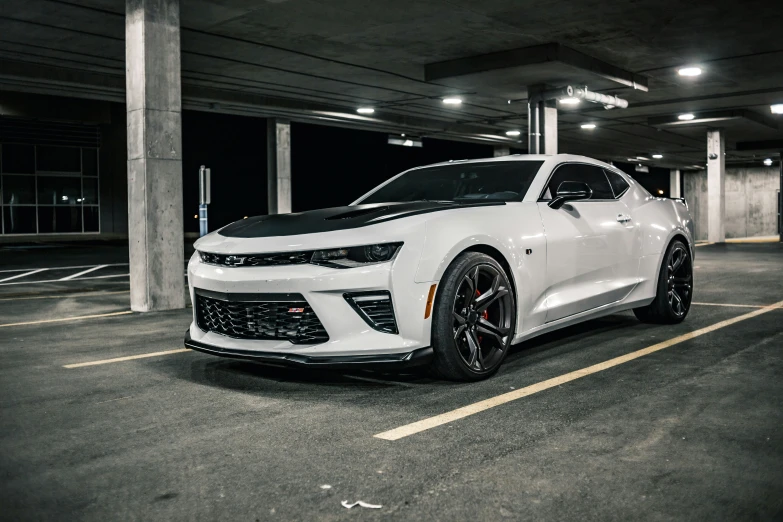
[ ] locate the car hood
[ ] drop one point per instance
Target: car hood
(337, 218)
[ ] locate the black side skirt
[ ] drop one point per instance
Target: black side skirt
(418, 357)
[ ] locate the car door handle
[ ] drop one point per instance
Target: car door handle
(623, 218)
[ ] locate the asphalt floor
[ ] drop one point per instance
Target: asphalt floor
(692, 431)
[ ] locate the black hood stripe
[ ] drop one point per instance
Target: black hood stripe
(338, 218)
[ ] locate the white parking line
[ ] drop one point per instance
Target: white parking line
(61, 267)
(74, 276)
(477, 407)
(61, 281)
(23, 275)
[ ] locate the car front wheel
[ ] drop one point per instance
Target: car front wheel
(473, 318)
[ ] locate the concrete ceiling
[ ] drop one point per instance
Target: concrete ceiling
(318, 60)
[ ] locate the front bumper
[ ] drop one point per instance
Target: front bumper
(418, 357)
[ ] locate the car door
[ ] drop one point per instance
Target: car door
(592, 246)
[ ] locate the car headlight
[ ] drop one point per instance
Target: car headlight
(356, 256)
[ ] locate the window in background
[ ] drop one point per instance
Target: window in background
(48, 189)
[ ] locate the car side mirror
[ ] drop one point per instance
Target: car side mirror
(570, 191)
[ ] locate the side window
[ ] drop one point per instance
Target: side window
(618, 183)
(592, 175)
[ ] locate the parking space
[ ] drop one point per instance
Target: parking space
(611, 419)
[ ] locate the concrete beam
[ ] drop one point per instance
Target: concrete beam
(537, 54)
(153, 104)
(716, 187)
(278, 140)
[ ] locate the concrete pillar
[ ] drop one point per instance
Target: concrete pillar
(278, 141)
(501, 150)
(155, 221)
(716, 190)
(675, 183)
(542, 122)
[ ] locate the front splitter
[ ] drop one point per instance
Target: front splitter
(418, 357)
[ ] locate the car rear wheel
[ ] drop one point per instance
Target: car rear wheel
(675, 288)
(473, 318)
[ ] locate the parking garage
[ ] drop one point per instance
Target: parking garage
(127, 131)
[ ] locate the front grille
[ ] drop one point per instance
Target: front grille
(277, 259)
(375, 308)
(282, 317)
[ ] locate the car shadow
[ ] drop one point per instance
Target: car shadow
(291, 382)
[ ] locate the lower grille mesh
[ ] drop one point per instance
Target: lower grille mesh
(291, 320)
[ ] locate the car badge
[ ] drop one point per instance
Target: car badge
(296, 310)
(235, 260)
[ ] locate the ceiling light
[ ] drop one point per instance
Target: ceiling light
(768, 162)
(777, 108)
(588, 125)
(513, 133)
(689, 71)
(452, 101)
(569, 101)
(660, 192)
(365, 110)
(642, 158)
(657, 156)
(685, 117)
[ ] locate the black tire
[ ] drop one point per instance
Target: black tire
(675, 288)
(461, 320)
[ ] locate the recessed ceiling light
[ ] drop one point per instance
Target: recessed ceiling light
(452, 101)
(513, 133)
(685, 117)
(588, 125)
(768, 162)
(657, 156)
(365, 110)
(777, 108)
(569, 101)
(689, 71)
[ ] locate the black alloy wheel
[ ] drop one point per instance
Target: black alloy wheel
(675, 288)
(474, 318)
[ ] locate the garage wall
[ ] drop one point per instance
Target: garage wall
(751, 201)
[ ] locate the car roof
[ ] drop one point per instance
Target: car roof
(553, 159)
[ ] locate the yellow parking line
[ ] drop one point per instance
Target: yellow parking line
(77, 318)
(472, 409)
(731, 305)
(128, 358)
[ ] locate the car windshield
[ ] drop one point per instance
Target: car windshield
(461, 182)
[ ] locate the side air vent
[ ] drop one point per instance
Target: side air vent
(358, 213)
(375, 308)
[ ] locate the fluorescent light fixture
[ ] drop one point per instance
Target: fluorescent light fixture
(686, 117)
(404, 141)
(452, 101)
(777, 108)
(588, 125)
(768, 162)
(642, 158)
(365, 110)
(569, 101)
(689, 71)
(657, 156)
(513, 133)
(632, 160)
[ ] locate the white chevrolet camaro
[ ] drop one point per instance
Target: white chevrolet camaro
(446, 265)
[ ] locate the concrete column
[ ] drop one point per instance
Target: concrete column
(278, 141)
(155, 221)
(675, 183)
(501, 150)
(542, 122)
(716, 190)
